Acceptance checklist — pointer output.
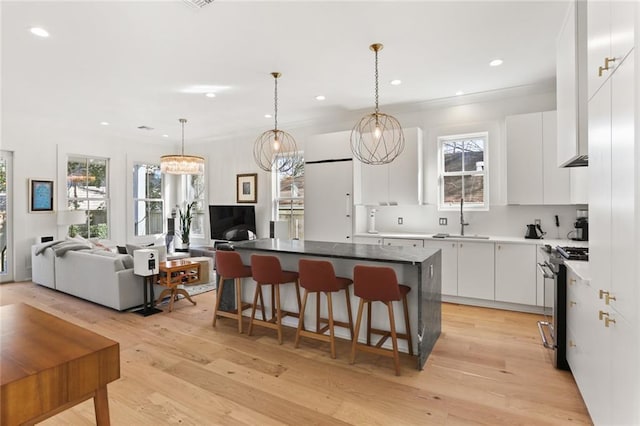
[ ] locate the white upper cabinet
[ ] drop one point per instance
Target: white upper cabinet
(611, 32)
(399, 182)
(532, 173)
(571, 86)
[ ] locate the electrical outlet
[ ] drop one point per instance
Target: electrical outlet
(537, 221)
(443, 221)
(400, 221)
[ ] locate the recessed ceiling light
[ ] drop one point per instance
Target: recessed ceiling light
(104, 123)
(210, 95)
(268, 116)
(40, 32)
(495, 62)
(396, 82)
(165, 136)
(320, 98)
(459, 92)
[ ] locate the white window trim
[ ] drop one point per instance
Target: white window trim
(275, 188)
(106, 199)
(442, 206)
(161, 199)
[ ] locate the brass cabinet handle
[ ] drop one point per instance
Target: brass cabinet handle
(609, 298)
(606, 66)
(602, 314)
(572, 281)
(572, 303)
(608, 321)
(602, 293)
(572, 344)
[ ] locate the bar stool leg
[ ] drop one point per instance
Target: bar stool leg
(357, 331)
(394, 338)
(218, 294)
(346, 293)
(273, 301)
(276, 289)
(301, 319)
(369, 322)
(318, 312)
(297, 282)
(253, 310)
(406, 324)
(331, 335)
(264, 315)
(239, 303)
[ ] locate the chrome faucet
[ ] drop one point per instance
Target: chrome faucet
(462, 222)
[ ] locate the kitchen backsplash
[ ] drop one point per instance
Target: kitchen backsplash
(506, 221)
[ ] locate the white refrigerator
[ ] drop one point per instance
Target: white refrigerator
(328, 188)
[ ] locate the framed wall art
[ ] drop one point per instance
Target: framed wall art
(247, 188)
(40, 195)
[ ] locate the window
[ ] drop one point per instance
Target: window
(462, 171)
(193, 190)
(289, 198)
(148, 206)
(87, 190)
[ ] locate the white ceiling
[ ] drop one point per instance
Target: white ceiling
(150, 63)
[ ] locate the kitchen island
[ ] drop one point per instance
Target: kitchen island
(418, 268)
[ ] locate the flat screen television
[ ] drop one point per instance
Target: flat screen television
(232, 223)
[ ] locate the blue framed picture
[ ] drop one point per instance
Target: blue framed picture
(40, 195)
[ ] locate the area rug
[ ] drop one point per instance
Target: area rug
(193, 290)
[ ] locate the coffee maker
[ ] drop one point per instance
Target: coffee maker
(582, 226)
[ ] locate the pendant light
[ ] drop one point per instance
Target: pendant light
(377, 138)
(182, 164)
(275, 149)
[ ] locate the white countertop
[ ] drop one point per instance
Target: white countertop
(580, 268)
(492, 239)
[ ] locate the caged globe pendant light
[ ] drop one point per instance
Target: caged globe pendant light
(182, 164)
(377, 138)
(275, 148)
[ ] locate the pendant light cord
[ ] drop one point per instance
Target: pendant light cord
(376, 52)
(275, 97)
(182, 121)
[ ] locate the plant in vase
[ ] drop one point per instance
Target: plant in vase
(186, 217)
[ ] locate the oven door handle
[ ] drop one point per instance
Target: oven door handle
(546, 270)
(545, 342)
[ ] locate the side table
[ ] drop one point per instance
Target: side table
(174, 273)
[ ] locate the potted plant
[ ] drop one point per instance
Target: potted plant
(186, 217)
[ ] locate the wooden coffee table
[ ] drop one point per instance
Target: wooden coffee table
(174, 273)
(49, 365)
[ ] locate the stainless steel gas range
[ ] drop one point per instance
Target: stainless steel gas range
(553, 330)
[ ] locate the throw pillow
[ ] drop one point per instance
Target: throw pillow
(122, 249)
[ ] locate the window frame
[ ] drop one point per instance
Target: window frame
(444, 206)
(137, 199)
(106, 199)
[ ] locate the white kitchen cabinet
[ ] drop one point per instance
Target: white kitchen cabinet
(532, 174)
(328, 146)
(571, 85)
(368, 240)
(449, 256)
(476, 270)
(406, 242)
(399, 182)
(579, 182)
(515, 273)
(611, 32)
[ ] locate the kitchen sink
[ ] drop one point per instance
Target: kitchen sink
(470, 237)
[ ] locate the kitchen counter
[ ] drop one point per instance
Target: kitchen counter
(417, 267)
(492, 238)
(580, 268)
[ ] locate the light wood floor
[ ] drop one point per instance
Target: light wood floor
(488, 367)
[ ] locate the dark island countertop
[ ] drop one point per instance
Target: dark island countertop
(394, 254)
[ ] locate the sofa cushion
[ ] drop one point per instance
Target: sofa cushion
(127, 261)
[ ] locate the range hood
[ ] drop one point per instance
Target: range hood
(571, 88)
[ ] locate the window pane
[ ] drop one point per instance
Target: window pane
(452, 156)
(147, 181)
(474, 189)
(97, 178)
(452, 189)
(473, 155)
(148, 217)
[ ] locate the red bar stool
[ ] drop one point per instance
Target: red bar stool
(229, 266)
(318, 276)
(266, 270)
(379, 284)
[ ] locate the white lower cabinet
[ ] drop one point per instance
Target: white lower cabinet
(367, 240)
(515, 273)
(449, 255)
(402, 242)
(476, 270)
